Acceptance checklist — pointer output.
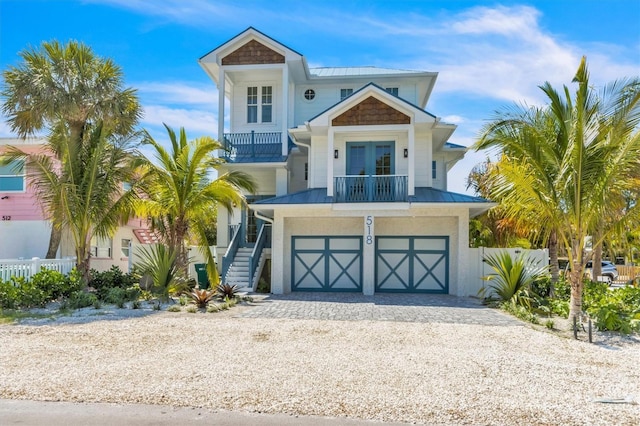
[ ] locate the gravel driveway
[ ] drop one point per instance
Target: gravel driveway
(388, 370)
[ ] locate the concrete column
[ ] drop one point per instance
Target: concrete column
(368, 256)
(411, 136)
(221, 94)
(277, 254)
(223, 228)
(330, 161)
(281, 181)
(285, 109)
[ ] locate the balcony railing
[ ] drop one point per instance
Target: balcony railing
(371, 188)
(252, 147)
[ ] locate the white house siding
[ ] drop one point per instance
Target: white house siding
(318, 161)
(423, 159)
(328, 95)
(297, 180)
(440, 180)
(238, 108)
(24, 238)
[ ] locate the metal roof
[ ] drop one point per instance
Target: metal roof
(357, 71)
(422, 195)
(454, 146)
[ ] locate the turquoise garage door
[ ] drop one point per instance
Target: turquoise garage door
(412, 264)
(326, 263)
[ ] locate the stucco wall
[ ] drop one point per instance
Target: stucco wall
(24, 238)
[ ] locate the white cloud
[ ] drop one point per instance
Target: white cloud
(453, 119)
(196, 122)
(181, 93)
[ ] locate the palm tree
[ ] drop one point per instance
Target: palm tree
(570, 163)
(66, 89)
(87, 189)
(182, 196)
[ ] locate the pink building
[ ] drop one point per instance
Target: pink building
(25, 229)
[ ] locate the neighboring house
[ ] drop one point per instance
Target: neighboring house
(352, 175)
(25, 230)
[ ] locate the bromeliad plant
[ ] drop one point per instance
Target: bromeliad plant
(227, 291)
(201, 298)
(513, 278)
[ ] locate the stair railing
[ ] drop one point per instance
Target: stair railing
(262, 241)
(230, 254)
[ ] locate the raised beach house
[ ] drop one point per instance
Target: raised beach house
(352, 174)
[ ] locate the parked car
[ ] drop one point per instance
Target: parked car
(609, 270)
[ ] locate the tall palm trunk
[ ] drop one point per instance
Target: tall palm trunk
(576, 278)
(54, 242)
(597, 260)
(553, 259)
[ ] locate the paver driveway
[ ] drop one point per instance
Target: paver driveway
(380, 307)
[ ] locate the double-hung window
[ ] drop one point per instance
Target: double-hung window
(12, 176)
(267, 103)
(101, 247)
(344, 93)
(263, 109)
(252, 104)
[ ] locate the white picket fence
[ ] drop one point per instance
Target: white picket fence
(478, 268)
(26, 268)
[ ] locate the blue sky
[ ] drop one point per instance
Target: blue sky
(488, 54)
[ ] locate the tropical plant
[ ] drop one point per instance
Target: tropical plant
(513, 278)
(181, 194)
(227, 291)
(201, 297)
(568, 164)
(159, 262)
(86, 190)
(66, 89)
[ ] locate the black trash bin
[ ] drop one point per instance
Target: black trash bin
(201, 271)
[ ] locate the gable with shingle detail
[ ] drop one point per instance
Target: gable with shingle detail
(371, 111)
(253, 52)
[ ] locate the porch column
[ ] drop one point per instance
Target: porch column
(277, 254)
(330, 161)
(221, 95)
(412, 160)
(281, 181)
(368, 256)
(285, 109)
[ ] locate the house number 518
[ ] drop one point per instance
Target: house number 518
(368, 229)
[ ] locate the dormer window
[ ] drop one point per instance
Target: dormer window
(265, 105)
(345, 93)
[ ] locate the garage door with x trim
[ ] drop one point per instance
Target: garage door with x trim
(327, 263)
(412, 264)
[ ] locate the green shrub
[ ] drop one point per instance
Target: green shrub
(174, 308)
(54, 284)
(103, 281)
(8, 295)
(81, 299)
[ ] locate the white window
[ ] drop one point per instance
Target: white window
(262, 110)
(12, 176)
(124, 247)
(267, 103)
(392, 90)
(345, 93)
(252, 104)
(101, 247)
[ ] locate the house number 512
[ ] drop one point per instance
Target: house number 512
(368, 229)
(6, 217)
